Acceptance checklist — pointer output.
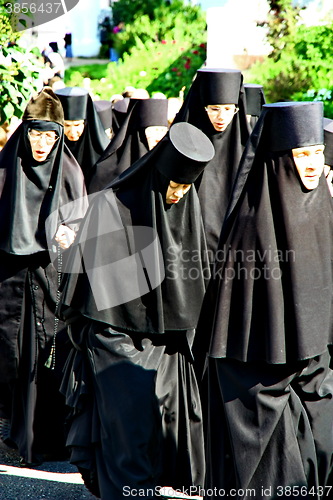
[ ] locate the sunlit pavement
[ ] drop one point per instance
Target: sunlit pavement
(51, 480)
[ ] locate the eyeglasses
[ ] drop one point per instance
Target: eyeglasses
(36, 136)
(216, 110)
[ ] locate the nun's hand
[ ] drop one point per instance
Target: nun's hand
(65, 236)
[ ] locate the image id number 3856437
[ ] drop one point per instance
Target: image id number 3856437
(304, 491)
(33, 8)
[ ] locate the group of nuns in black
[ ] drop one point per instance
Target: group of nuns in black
(237, 204)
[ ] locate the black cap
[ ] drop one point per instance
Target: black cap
(220, 86)
(295, 124)
(152, 112)
(255, 98)
(104, 110)
(328, 138)
(74, 101)
(186, 153)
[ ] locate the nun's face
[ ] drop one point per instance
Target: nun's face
(41, 143)
(154, 135)
(309, 162)
(73, 129)
(221, 115)
(175, 192)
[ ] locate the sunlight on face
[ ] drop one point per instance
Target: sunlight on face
(309, 162)
(175, 192)
(221, 115)
(73, 129)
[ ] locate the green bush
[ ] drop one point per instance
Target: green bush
(303, 69)
(165, 66)
(19, 69)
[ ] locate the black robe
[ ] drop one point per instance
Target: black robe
(267, 325)
(133, 329)
(30, 192)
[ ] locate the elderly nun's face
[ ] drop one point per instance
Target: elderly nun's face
(73, 129)
(42, 143)
(309, 162)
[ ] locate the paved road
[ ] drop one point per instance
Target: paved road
(49, 481)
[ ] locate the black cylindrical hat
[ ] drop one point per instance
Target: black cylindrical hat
(220, 86)
(74, 101)
(104, 110)
(255, 98)
(152, 112)
(328, 138)
(186, 153)
(295, 124)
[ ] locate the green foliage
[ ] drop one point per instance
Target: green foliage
(281, 25)
(165, 66)
(126, 10)
(305, 66)
(19, 69)
(177, 21)
(161, 46)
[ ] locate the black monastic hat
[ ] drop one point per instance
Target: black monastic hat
(74, 101)
(220, 86)
(186, 153)
(295, 124)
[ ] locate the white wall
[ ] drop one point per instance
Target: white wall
(232, 31)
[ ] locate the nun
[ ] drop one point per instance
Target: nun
(145, 125)
(40, 181)
(84, 132)
(269, 314)
(136, 424)
(215, 104)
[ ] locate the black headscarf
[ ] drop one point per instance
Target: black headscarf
(31, 190)
(255, 99)
(217, 86)
(270, 297)
(130, 143)
(144, 260)
(78, 105)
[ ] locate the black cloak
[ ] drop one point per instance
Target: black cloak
(78, 105)
(130, 142)
(269, 312)
(131, 316)
(217, 86)
(137, 199)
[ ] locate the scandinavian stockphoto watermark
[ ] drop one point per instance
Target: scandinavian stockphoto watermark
(24, 15)
(124, 262)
